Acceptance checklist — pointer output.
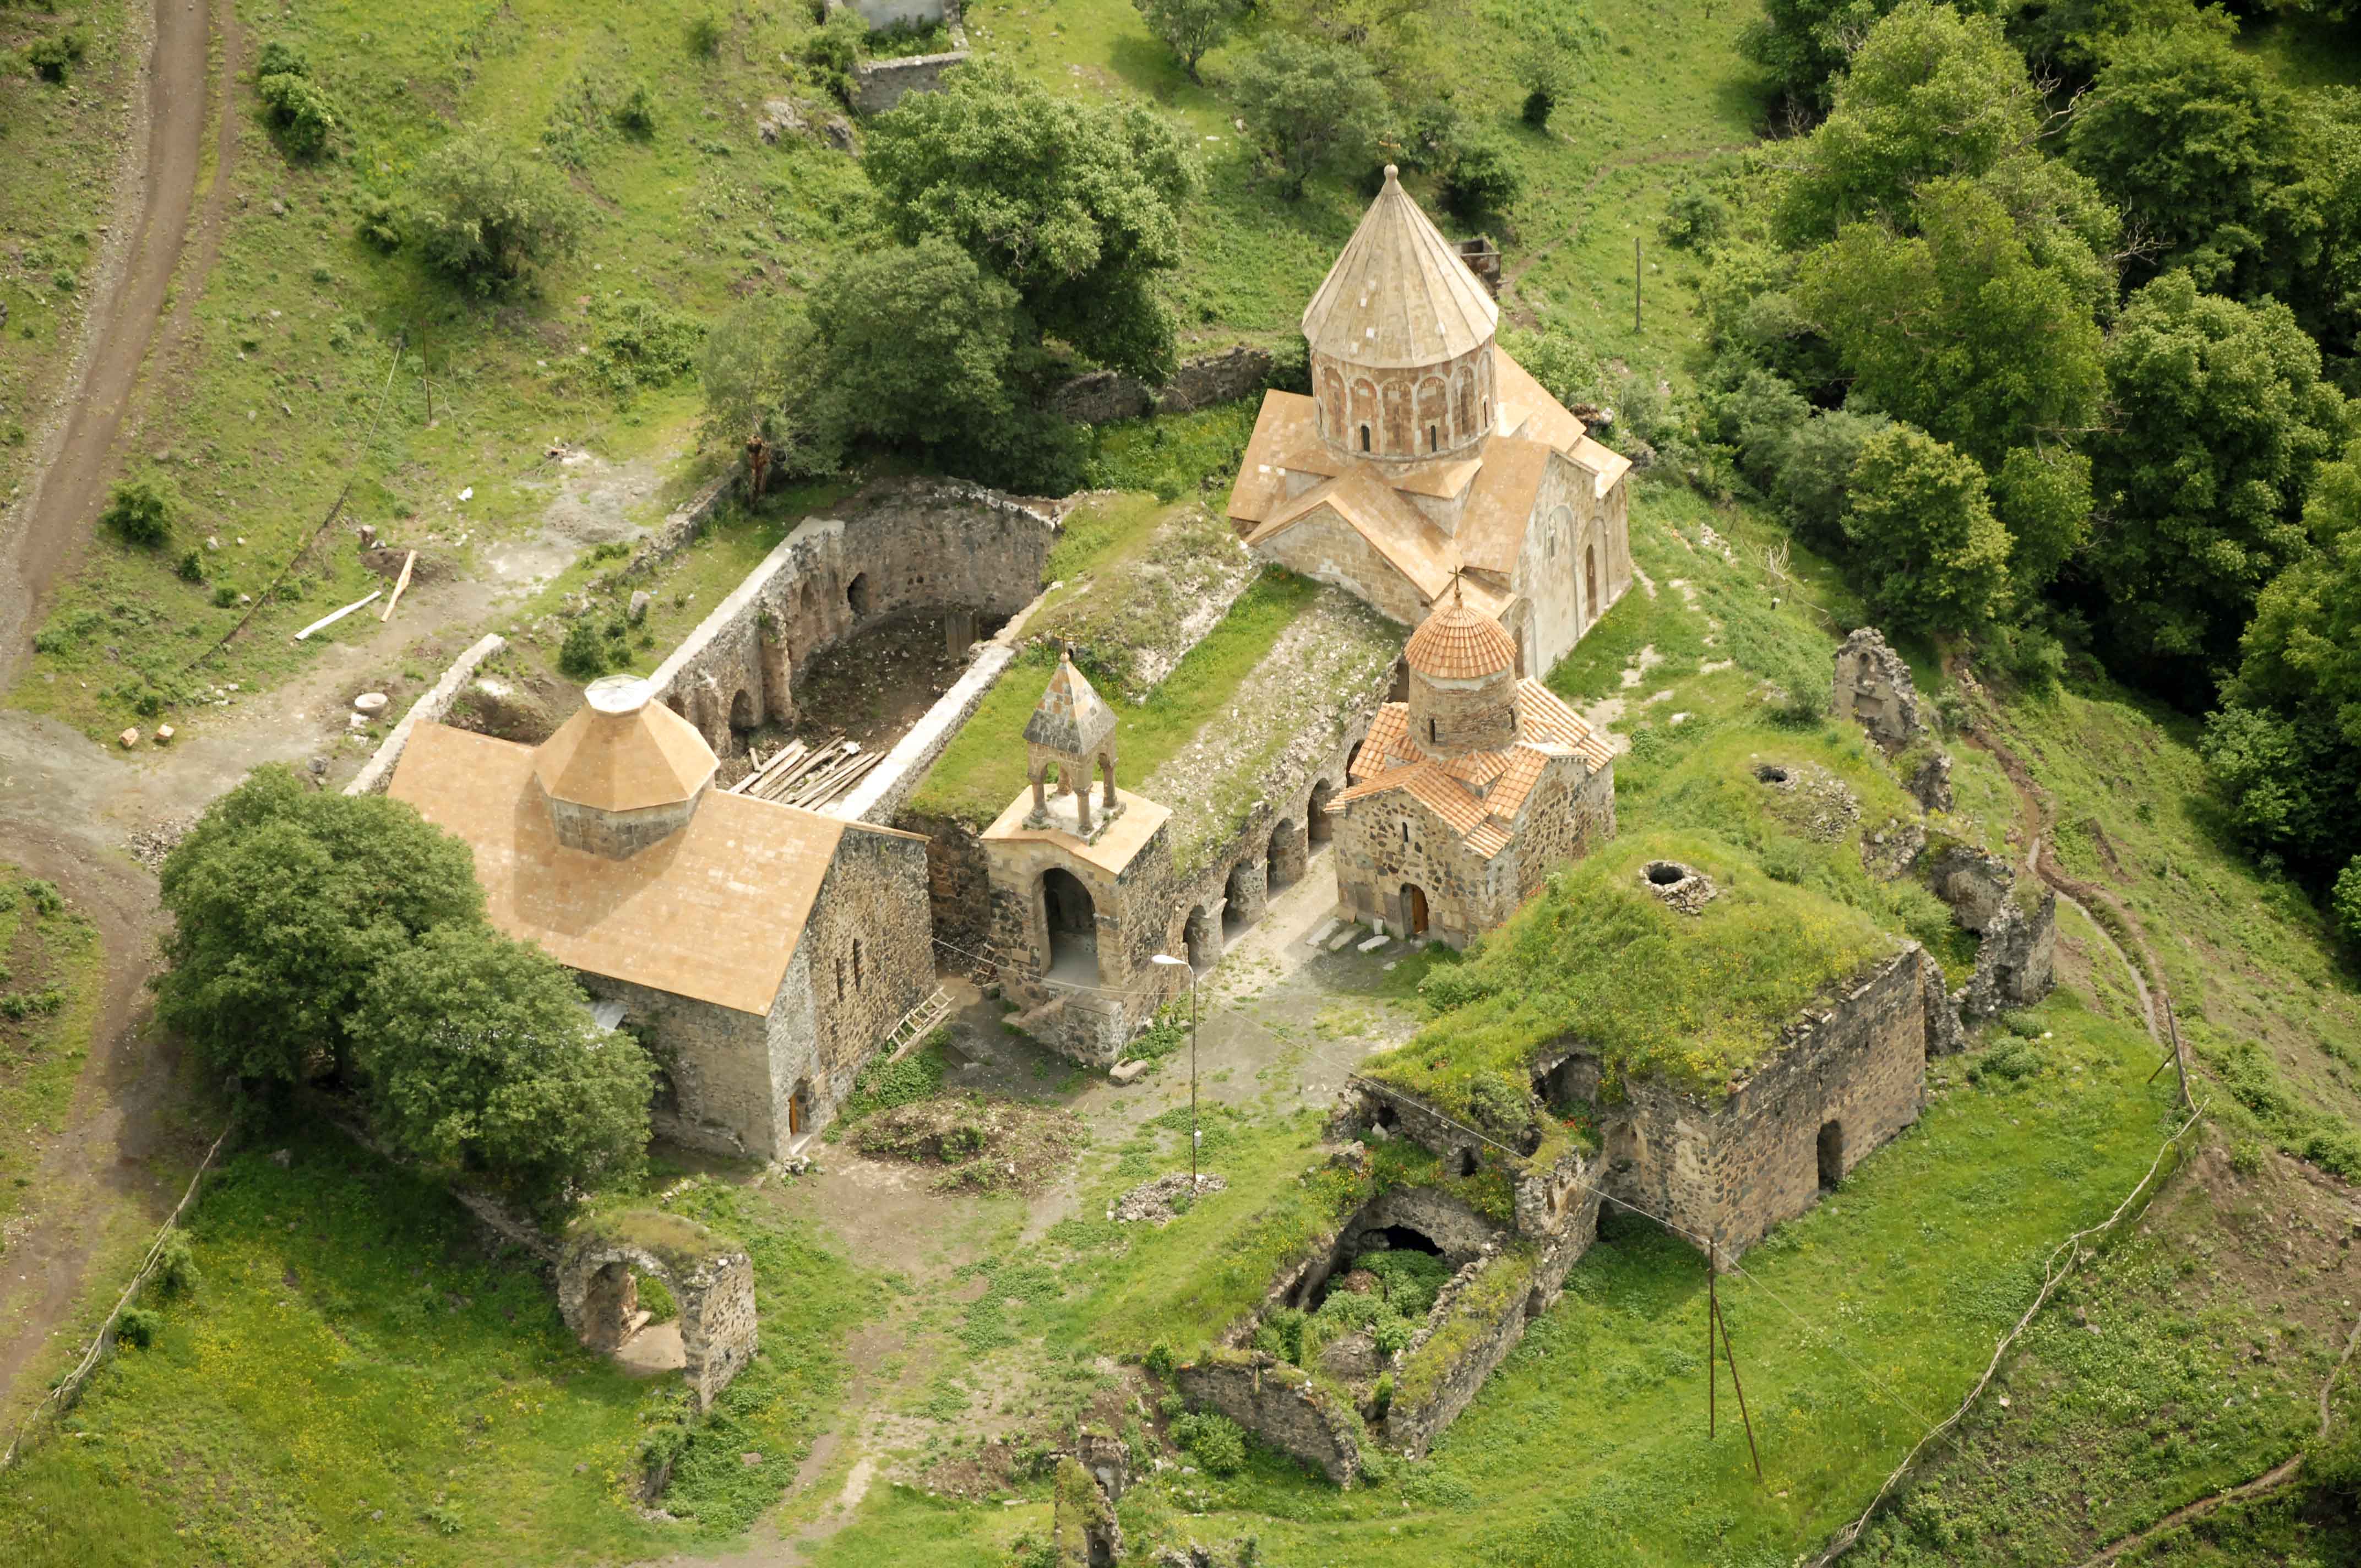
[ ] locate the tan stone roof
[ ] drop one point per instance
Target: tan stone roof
(1070, 717)
(623, 752)
(1477, 795)
(713, 912)
(1529, 413)
(1457, 643)
(1407, 539)
(1399, 294)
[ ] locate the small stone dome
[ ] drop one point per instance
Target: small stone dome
(1456, 643)
(624, 771)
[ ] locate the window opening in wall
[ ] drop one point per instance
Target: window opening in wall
(1831, 1148)
(1364, 438)
(1467, 1162)
(840, 979)
(1433, 734)
(1405, 828)
(1431, 444)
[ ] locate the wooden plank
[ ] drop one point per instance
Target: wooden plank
(399, 584)
(330, 619)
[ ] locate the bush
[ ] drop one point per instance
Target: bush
(137, 1326)
(1539, 104)
(1160, 1359)
(141, 512)
(176, 1266)
(51, 57)
(705, 33)
(636, 114)
(1216, 1443)
(1452, 985)
(486, 215)
(1481, 179)
(280, 58)
(2344, 901)
(1500, 1102)
(192, 567)
(225, 597)
(584, 654)
(298, 111)
(642, 344)
(380, 225)
(831, 48)
(1694, 220)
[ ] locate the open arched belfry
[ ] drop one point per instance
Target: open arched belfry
(1425, 453)
(1073, 731)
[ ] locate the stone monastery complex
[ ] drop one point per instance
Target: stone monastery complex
(768, 952)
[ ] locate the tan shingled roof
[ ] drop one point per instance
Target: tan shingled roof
(1072, 717)
(712, 912)
(1456, 643)
(1528, 411)
(1399, 294)
(1286, 440)
(623, 752)
(1419, 550)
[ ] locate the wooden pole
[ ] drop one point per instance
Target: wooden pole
(1712, 1317)
(399, 584)
(1740, 1389)
(1635, 283)
(2180, 1057)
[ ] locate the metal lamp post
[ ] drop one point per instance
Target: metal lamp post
(1171, 962)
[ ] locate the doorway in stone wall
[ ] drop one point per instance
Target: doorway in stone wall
(1070, 920)
(799, 1111)
(856, 593)
(1413, 909)
(1832, 1147)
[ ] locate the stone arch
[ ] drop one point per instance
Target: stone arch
(742, 712)
(1286, 855)
(597, 1295)
(1364, 410)
(1416, 915)
(856, 595)
(1463, 403)
(1589, 586)
(1070, 927)
(1395, 397)
(1433, 414)
(1243, 894)
(1200, 934)
(1317, 824)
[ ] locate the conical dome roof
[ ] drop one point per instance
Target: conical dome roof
(1072, 717)
(1398, 295)
(1456, 643)
(623, 752)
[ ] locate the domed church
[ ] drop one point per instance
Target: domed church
(1461, 799)
(1427, 456)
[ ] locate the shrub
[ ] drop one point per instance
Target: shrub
(636, 114)
(51, 57)
(141, 512)
(642, 344)
(2344, 901)
(192, 567)
(225, 597)
(1160, 1359)
(1694, 220)
(1499, 1102)
(1452, 985)
(583, 655)
(486, 215)
(1410, 1279)
(1539, 104)
(379, 223)
(705, 31)
(298, 111)
(137, 1326)
(1481, 179)
(176, 1266)
(1214, 1442)
(831, 48)
(280, 58)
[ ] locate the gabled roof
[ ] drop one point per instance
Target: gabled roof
(1478, 795)
(1405, 538)
(1529, 413)
(1070, 717)
(713, 912)
(1399, 294)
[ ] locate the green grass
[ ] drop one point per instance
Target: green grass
(49, 969)
(981, 771)
(57, 143)
(352, 1382)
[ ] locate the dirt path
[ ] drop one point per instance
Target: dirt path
(152, 208)
(2270, 1480)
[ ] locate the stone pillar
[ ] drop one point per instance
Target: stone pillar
(1108, 798)
(717, 1324)
(1249, 891)
(1289, 853)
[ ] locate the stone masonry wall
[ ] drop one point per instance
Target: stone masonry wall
(716, 1059)
(1106, 396)
(874, 896)
(1570, 812)
(1280, 1404)
(1733, 1171)
(904, 546)
(1385, 842)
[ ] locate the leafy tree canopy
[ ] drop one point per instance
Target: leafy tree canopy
(487, 215)
(481, 1055)
(284, 902)
(1802, 46)
(1931, 554)
(916, 340)
(1189, 28)
(1958, 329)
(1309, 105)
(2217, 419)
(1074, 204)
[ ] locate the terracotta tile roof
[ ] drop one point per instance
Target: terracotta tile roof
(1478, 794)
(1399, 294)
(1543, 719)
(1521, 770)
(1388, 738)
(621, 753)
(1457, 643)
(1070, 717)
(713, 912)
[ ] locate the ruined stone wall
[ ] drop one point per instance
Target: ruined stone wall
(1106, 396)
(1477, 1319)
(879, 84)
(904, 546)
(597, 1296)
(431, 708)
(958, 885)
(1733, 1171)
(1279, 1403)
(717, 1060)
(1569, 813)
(1874, 690)
(870, 929)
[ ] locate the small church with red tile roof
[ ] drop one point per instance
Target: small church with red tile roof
(1462, 797)
(1426, 455)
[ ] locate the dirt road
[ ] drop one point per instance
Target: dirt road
(153, 204)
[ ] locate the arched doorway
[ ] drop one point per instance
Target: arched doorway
(1071, 922)
(800, 1109)
(742, 712)
(1413, 910)
(856, 593)
(1589, 584)
(1316, 823)
(1203, 937)
(1287, 854)
(1831, 1152)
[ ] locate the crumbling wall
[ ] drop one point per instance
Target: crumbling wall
(869, 942)
(1731, 1171)
(1478, 1318)
(2014, 955)
(1874, 690)
(1105, 396)
(1279, 1403)
(431, 708)
(902, 545)
(598, 1297)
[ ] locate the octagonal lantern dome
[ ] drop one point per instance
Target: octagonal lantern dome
(624, 771)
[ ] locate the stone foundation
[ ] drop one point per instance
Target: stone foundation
(1280, 1404)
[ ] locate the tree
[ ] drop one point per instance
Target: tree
(481, 1055)
(141, 512)
(284, 902)
(2290, 787)
(1958, 329)
(487, 216)
(1189, 28)
(1481, 177)
(2076, 36)
(916, 342)
(2043, 498)
(1074, 204)
(1925, 542)
(1814, 478)
(2217, 420)
(2208, 154)
(1309, 105)
(764, 380)
(2344, 903)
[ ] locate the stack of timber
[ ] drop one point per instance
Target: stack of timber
(810, 776)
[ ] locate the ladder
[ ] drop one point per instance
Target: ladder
(917, 1024)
